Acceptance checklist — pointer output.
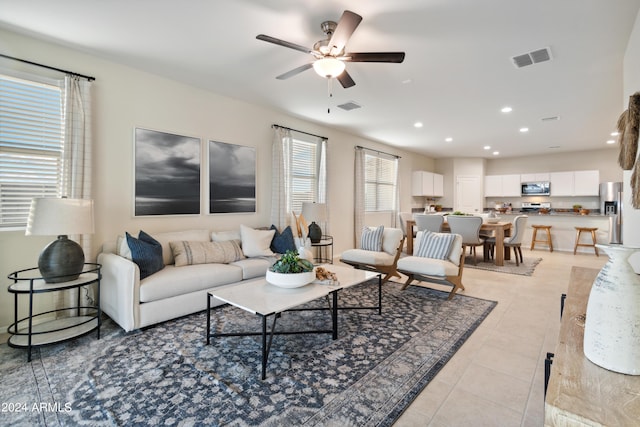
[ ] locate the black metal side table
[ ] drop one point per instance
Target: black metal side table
(324, 250)
(81, 320)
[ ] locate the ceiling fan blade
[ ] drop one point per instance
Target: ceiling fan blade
(283, 43)
(294, 71)
(395, 57)
(348, 23)
(345, 80)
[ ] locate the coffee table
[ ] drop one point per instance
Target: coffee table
(263, 299)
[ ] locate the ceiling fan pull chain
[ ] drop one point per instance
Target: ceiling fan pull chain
(330, 95)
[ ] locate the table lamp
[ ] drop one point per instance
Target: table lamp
(61, 260)
(314, 212)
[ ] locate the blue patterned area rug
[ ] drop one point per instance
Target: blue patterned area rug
(167, 375)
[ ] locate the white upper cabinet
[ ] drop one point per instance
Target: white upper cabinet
(502, 186)
(425, 183)
(575, 183)
(534, 177)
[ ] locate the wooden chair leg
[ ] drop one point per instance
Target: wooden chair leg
(408, 282)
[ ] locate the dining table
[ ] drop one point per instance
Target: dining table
(500, 230)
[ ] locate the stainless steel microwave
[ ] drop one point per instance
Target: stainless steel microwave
(536, 188)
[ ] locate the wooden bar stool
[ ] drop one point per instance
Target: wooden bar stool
(579, 231)
(547, 241)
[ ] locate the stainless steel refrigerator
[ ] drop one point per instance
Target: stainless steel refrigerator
(611, 206)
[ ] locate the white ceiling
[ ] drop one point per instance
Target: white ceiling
(456, 77)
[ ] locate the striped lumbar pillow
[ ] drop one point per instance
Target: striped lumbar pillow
(435, 245)
(371, 240)
(190, 253)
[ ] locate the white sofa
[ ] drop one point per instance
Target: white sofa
(173, 291)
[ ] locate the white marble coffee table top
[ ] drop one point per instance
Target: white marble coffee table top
(259, 297)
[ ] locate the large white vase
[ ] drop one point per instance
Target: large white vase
(612, 326)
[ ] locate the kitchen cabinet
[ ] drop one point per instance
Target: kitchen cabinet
(534, 177)
(575, 183)
(425, 183)
(502, 186)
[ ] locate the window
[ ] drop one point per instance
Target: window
(31, 141)
(380, 182)
(308, 171)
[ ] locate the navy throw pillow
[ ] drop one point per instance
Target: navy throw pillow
(282, 242)
(146, 252)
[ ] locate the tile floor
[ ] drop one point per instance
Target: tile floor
(497, 377)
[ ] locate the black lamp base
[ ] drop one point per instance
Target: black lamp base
(315, 233)
(61, 261)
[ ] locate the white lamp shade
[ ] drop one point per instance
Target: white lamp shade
(54, 217)
(329, 67)
(314, 211)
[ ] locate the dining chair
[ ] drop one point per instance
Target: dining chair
(469, 228)
(429, 222)
(514, 241)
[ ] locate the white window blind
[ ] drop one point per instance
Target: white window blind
(380, 183)
(308, 181)
(31, 141)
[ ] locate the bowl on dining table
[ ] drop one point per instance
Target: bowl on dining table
(493, 220)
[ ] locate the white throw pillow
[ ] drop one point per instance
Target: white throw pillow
(256, 242)
(435, 245)
(122, 248)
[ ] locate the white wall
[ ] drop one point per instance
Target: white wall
(631, 217)
(125, 98)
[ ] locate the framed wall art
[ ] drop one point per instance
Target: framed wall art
(232, 178)
(167, 173)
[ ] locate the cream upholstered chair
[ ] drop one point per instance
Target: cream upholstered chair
(429, 222)
(433, 263)
(403, 217)
(469, 228)
(384, 260)
(514, 241)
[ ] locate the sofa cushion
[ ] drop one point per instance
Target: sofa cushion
(282, 242)
(428, 266)
(223, 236)
(173, 281)
(435, 245)
(190, 253)
(371, 239)
(256, 242)
(146, 252)
(177, 236)
(368, 257)
(254, 267)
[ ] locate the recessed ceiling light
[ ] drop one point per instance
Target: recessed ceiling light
(487, 147)
(417, 125)
(615, 133)
(611, 141)
(448, 139)
(506, 109)
(523, 130)
(495, 153)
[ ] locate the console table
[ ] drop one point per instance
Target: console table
(29, 332)
(581, 393)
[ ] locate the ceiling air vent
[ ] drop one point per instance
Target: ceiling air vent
(348, 106)
(533, 57)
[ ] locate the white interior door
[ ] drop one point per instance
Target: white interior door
(469, 194)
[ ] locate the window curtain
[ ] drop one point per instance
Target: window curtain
(280, 180)
(396, 209)
(76, 176)
(359, 196)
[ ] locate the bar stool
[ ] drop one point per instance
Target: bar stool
(579, 231)
(547, 241)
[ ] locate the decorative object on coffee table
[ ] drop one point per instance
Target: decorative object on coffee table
(291, 271)
(611, 331)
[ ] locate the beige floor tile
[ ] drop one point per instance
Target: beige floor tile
(467, 409)
(507, 362)
(495, 386)
(426, 404)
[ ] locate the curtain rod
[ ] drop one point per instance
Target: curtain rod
(359, 147)
(296, 130)
(48, 67)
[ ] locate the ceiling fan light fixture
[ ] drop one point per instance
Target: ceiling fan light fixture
(329, 67)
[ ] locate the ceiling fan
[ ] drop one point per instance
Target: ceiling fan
(329, 53)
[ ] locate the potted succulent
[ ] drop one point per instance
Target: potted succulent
(291, 271)
(576, 208)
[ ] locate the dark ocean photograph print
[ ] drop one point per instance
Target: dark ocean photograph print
(232, 178)
(167, 173)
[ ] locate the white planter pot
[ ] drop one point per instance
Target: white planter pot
(292, 280)
(612, 326)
